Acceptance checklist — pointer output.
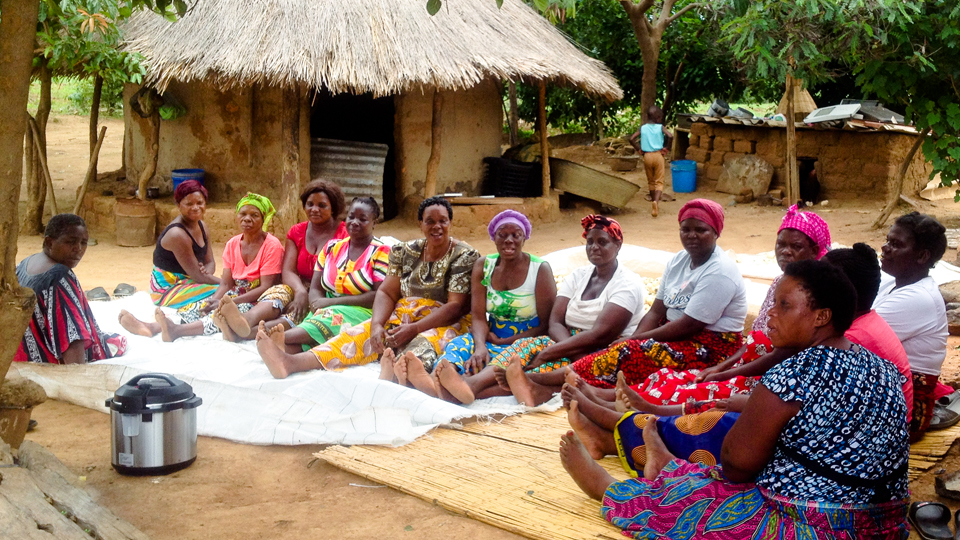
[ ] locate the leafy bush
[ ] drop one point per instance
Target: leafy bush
(111, 99)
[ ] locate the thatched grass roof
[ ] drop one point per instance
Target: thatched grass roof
(380, 46)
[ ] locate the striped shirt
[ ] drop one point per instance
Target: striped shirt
(343, 277)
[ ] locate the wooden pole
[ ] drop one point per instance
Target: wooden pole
(897, 188)
(288, 207)
(436, 129)
(514, 117)
(43, 164)
(90, 170)
(544, 146)
(793, 180)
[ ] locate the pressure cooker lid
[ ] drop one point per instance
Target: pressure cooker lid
(151, 391)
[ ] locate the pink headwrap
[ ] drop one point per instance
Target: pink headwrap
(509, 216)
(809, 224)
(706, 211)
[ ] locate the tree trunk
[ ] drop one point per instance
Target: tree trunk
(897, 188)
(514, 118)
(29, 224)
(597, 119)
(32, 220)
(793, 174)
(671, 93)
(436, 130)
(152, 142)
(544, 145)
(95, 117)
(288, 207)
(18, 28)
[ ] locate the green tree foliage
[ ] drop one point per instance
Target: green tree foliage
(918, 68)
(812, 40)
(691, 68)
(80, 38)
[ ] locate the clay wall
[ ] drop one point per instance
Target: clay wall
(234, 135)
(849, 163)
(472, 126)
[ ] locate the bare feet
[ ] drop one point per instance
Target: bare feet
(452, 382)
(590, 476)
(526, 391)
(500, 374)
(167, 327)
(272, 355)
(238, 323)
(136, 326)
(657, 454)
(570, 377)
(597, 441)
(277, 335)
(628, 399)
(417, 375)
(400, 369)
(225, 330)
(655, 209)
(386, 365)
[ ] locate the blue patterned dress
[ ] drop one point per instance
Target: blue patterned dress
(839, 469)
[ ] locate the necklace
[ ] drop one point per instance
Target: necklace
(426, 270)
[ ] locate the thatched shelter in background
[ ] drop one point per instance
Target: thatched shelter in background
(261, 80)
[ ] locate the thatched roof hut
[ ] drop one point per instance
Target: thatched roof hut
(382, 47)
(266, 81)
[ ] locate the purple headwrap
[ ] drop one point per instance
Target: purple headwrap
(509, 216)
(188, 187)
(704, 210)
(809, 224)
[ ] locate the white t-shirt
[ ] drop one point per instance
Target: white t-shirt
(624, 289)
(712, 293)
(918, 316)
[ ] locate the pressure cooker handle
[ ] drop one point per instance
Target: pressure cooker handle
(169, 378)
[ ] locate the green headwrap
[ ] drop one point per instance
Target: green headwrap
(260, 203)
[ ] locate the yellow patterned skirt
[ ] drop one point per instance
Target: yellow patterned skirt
(352, 346)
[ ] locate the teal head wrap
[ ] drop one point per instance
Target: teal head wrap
(260, 203)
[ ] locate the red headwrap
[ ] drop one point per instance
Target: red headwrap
(188, 187)
(608, 225)
(706, 211)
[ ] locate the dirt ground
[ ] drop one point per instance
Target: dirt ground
(244, 491)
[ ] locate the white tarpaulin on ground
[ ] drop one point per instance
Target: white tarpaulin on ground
(243, 402)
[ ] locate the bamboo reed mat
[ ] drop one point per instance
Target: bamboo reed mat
(926, 452)
(508, 474)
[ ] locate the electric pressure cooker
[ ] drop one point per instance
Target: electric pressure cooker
(154, 419)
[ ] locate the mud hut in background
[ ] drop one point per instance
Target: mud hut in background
(262, 83)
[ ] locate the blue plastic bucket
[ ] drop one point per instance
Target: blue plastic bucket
(180, 176)
(684, 174)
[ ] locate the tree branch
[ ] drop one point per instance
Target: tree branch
(683, 10)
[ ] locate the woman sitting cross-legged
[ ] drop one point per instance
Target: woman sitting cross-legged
(183, 266)
(421, 305)
(695, 322)
(346, 277)
(249, 291)
(802, 236)
(323, 203)
(62, 329)
(512, 295)
(819, 451)
(595, 305)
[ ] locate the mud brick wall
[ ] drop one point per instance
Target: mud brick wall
(849, 163)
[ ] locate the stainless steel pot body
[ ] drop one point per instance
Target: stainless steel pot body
(154, 443)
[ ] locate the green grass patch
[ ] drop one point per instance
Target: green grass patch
(74, 96)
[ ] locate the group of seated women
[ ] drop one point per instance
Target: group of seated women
(820, 398)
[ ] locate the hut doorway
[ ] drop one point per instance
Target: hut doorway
(360, 119)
